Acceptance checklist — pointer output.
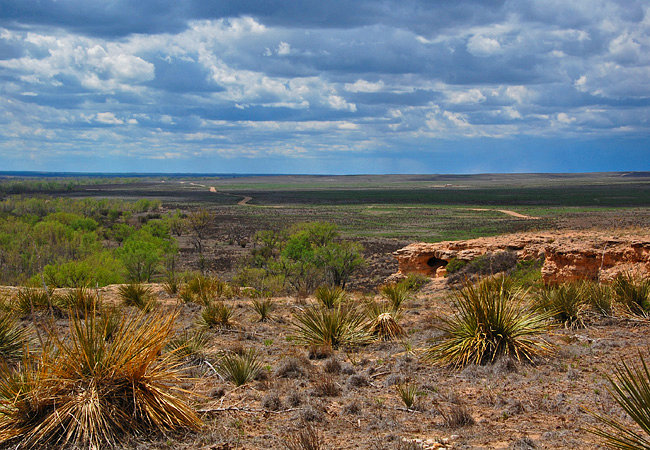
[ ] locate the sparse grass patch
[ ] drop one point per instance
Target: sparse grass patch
(490, 321)
(306, 438)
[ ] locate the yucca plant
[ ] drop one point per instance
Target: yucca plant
(599, 297)
(408, 392)
(330, 296)
(318, 326)
(31, 300)
(189, 344)
(263, 307)
(12, 339)
(216, 315)
(490, 321)
(81, 300)
(206, 289)
(239, 367)
(171, 285)
(633, 293)
(85, 391)
(396, 294)
(565, 302)
(630, 388)
(138, 295)
(383, 320)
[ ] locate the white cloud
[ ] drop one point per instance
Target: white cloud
(284, 49)
(483, 46)
(364, 86)
(108, 118)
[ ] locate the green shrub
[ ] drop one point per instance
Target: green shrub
(414, 282)
(268, 284)
(455, 265)
(630, 388)
(490, 321)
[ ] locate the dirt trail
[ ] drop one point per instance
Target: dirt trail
(244, 201)
(506, 211)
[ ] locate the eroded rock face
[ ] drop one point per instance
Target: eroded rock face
(568, 255)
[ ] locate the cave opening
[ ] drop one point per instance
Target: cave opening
(436, 263)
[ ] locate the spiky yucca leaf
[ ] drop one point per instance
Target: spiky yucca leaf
(12, 339)
(81, 300)
(138, 295)
(633, 293)
(408, 392)
(216, 315)
(30, 300)
(241, 367)
(343, 325)
(90, 392)
(630, 388)
(396, 294)
(263, 307)
(490, 321)
(566, 302)
(189, 344)
(330, 297)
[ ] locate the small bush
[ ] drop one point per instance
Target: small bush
(633, 293)
(330, 297)
(630, 388)
(206, 289)
(291, 367)
(138, 295)
(216, 315)
(306, 438)
(414, 282)
(171, 285)
(263, 308)
(490, 322)
(326, 386)
(455, 265)
(566, 303)
(272, 402)
(239, 367)
(317, 325)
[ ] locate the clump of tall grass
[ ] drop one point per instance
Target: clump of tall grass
(30, 300)
(491, 320)
(86, 391)
(599, 297)
(396, 294)
(343, 325)
(12, 339)
(630, 388)
(565, 302)
(633, 293)
(330, 296)
(138, 295)
(263, 308)
(203, 290)
(383, 320)
(240, 367)
(189, 344)
(216, 315)
(81, 300)
(408, 392)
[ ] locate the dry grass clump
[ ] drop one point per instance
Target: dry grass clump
(490, 321)
(306, 438)
(318, 326)
(204, 290)
(86, 391)
(138, 295)
(630, 388)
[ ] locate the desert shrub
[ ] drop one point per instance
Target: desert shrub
(565, 302)
(306, 438)
(326, 386)
(204, 290)
(239, 367)
(396, 294)
(291, 367)
(272, 402)
(383, 320)
(455, 265)
(316, 325)
(261, 280)
(490, 321)
(330, 297)
(81, 301)
(216, 315)
(630, 388)
(414, 282)
(12, 339)
(487, 264)
(86, 391)
(457, 416)
(263, 307)
(633, 293)
(138, 295)
(527, 272)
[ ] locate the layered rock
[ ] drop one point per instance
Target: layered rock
(568, 255)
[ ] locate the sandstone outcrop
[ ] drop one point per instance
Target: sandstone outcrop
(567, 255)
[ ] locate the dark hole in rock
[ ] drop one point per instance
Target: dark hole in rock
(434, 262)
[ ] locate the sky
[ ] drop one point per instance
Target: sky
(331, 87)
